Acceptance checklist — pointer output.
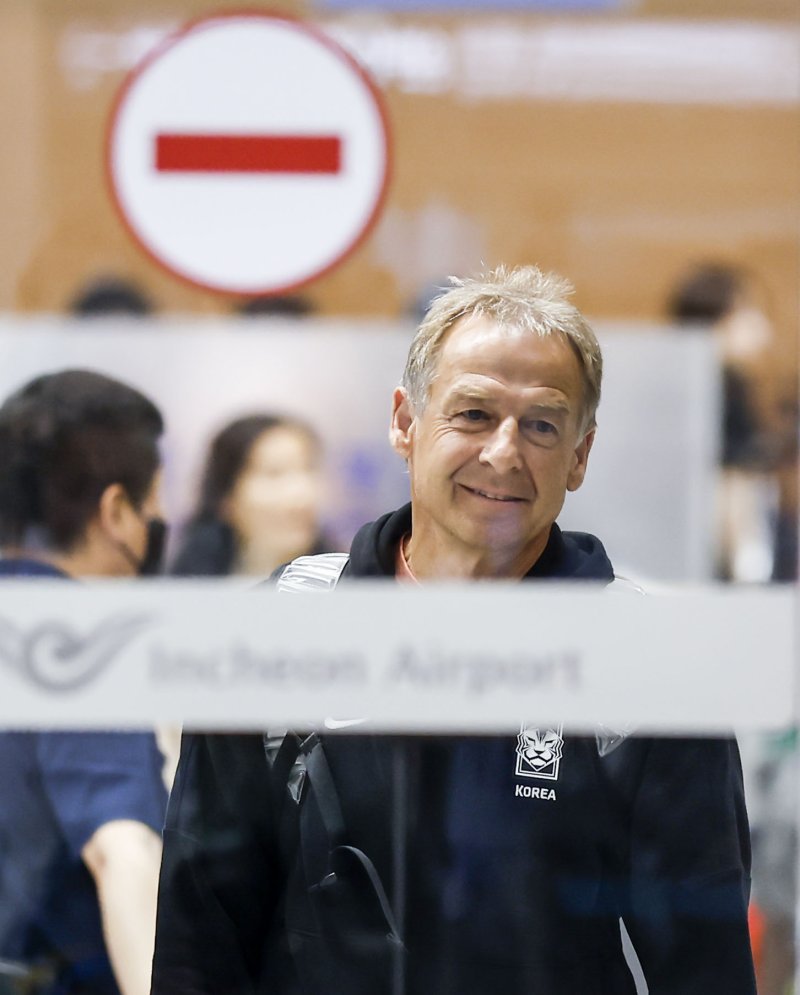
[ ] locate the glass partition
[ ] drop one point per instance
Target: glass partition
(472, 789)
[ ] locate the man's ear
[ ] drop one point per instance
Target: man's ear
(112, 509)
(402, 424)
(581, 461)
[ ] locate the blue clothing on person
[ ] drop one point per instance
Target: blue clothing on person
(56, 790)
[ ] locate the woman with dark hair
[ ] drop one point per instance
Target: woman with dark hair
(259, 500)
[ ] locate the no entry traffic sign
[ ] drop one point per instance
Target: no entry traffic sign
(248, 154)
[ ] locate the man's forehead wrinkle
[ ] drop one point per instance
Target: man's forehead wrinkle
(457, 352)
(459, 322)
(470, 388)
(478, 385)
(466, 318)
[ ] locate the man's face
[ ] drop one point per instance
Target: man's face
(498, 445)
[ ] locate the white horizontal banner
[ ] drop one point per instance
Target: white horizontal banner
(479, 657)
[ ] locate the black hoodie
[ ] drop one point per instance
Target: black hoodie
(506, 862)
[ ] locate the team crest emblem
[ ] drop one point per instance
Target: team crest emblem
(539, 752)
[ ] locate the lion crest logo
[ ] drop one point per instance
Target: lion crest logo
(539, 752)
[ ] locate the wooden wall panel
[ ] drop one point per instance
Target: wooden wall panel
(618, 197)
(22, 127)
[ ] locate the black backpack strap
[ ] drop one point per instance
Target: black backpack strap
(393, 935)
(286, 779)
(286, 757)
(356, 944)
(320, 778)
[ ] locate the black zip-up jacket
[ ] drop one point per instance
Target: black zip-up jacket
(504, 867)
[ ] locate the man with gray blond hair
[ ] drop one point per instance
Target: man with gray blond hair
(340, 864)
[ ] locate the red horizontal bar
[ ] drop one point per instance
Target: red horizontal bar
(248, 153)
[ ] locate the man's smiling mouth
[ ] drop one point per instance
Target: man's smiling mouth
(503, 498)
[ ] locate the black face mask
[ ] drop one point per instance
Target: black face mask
(150, 564)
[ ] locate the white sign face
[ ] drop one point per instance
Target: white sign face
(248, 154)
(445, 658)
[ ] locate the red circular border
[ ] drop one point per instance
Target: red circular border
(168, 43)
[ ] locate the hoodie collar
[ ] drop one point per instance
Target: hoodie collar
(567, 555)
(25, 567)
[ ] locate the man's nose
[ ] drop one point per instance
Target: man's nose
(502, 451)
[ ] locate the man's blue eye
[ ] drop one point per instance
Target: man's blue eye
(474, 414)
(545, 427)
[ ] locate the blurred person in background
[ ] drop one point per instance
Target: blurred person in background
(111, 296)
(756, 516)
(757, 541)
(787, 554)
(260, 500)
(317, 863)
(80, 812)
(259, 507)
(771, 764)
(276, 306)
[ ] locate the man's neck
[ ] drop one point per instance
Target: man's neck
(433, 557)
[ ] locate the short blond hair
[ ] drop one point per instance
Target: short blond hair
(523, 298)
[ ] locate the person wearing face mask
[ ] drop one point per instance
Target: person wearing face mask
(259, 503)
(80, 812)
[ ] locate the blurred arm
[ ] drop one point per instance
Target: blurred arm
(124, 857)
